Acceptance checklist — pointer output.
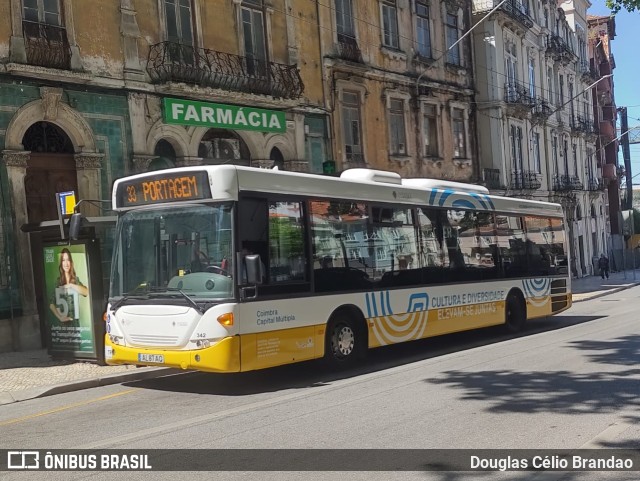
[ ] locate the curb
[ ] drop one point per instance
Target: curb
(8, 397)
(606, 293)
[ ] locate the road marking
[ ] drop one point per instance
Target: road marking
(65, 408)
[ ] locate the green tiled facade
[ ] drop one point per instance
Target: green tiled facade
(107, 115)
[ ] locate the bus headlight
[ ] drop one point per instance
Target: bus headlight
(116, 339)
(202, 343)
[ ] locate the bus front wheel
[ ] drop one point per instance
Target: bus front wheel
(343, 341)
(515, 313)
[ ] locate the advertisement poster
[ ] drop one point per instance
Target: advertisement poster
(69, 310)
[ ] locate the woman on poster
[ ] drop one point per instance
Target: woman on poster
(68, 287)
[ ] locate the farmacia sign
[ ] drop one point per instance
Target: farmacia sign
(205, 114)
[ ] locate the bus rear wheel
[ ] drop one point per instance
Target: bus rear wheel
(515, 314)
(342, 342)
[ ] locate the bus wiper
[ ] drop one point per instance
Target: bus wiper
(120, 302)
(191, 302)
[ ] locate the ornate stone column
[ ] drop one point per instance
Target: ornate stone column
(25, 330)
(141, 162)
(89, 172)
(130, 34)
(17, 51)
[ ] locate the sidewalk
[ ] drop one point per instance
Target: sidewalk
(31, 374)
(592, 287)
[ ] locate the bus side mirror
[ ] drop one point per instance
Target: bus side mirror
(253, 265)
(76, 223)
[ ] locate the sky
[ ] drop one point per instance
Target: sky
(626, 75)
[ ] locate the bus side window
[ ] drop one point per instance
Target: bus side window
(287, 258)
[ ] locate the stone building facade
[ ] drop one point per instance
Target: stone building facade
(399, 86)
(82, 89)
(536, 131)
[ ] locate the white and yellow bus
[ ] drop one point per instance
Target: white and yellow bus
(228, 269)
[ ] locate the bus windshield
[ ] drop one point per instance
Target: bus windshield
(174, 251)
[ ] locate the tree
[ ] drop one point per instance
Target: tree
(617, 5)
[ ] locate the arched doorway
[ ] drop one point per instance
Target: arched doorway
(219, 146)
(51, 168)
(164, 156)
(277, 157)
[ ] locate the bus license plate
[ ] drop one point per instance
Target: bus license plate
(155, 358)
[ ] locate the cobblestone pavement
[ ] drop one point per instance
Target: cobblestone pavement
(29, 374)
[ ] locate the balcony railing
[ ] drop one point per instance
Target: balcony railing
(348, 48)
(541, 109)
(581, 125)
(491, 179)
(46, 45)
(588, 71)
(175, 62)
(594, 184)
(564, 183)
(517, 93)
(525, 180)
(559, 49)
(513, 8)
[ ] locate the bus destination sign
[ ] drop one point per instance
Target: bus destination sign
(162, 188)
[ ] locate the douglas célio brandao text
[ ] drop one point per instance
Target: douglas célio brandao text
(568, 463)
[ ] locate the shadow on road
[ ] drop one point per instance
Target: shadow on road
(538, 391)
(623, 351)
(560, 391)
(314, 373)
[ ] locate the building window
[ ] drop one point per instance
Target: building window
(344, 19)
(536, 152)
(554, 153)
(254, 37)
(351, 127)
(574, 149)
(46, 42)
(390, 37)
(397, 134)
(459, 134)
(550, 85)
(570, 100)
(423, 29)
(178, 17)
(511, 64)
(516, 148)
(561, 92)
(42, 11)
(532, 78)
(430, 128)
(452, 35)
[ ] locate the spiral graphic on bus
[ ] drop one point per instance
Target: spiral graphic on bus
(390, 328)
(450, 198)
(537, 291)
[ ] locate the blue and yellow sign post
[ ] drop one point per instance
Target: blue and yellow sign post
(66, 204)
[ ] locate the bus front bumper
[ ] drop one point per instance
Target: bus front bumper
(224, 356)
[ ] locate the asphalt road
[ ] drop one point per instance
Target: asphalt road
(568, 382)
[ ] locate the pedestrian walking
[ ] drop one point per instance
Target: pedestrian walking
(603, 264)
